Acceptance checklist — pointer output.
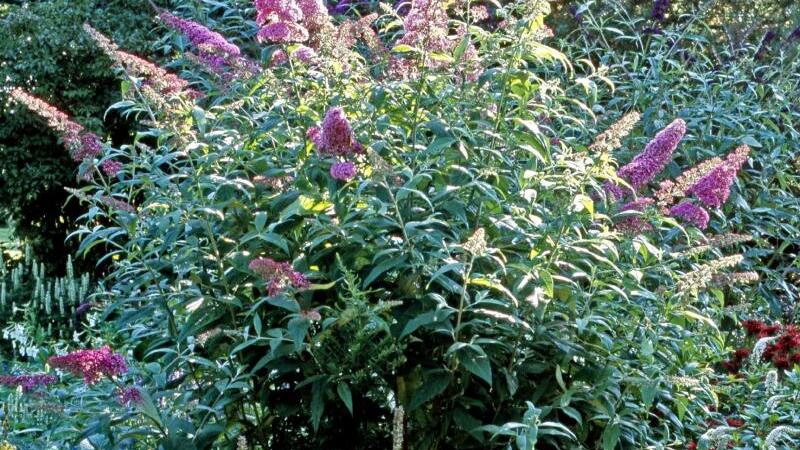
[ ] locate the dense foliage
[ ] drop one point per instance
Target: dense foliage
(432, 226)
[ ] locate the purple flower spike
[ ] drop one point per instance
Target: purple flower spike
(646, 165)
(208, 40)
(714, 188)
(660, 10)
(337, 134)
(91, 364)
(343, 171)
(691, 213)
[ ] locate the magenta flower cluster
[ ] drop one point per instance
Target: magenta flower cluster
(111, 167)
(426, 27)
(28, 382)
(336, 138)
(658, 152)
(278, 275)
(691, 213)
(337, 134)
(284, 21)
(714, 188)
(91, 364)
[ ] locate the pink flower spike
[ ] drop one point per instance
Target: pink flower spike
(91, 364)
(691, 213)
(658, 152)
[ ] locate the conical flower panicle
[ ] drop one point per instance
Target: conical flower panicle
(713, 189)
(691, 213)
(655, 156)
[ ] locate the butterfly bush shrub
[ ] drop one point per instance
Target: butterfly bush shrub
(385, 230)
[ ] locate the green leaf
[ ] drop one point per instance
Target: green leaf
(611, 436)
(436, 381)
(385, 266)
(261, 220)
(404, 48)
(347, 397)
(479, 365)
(317, 402)
(257, 324)
(419, 321)
(547, 281)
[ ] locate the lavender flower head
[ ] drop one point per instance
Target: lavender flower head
(277, 10)
(305, 54)
(660, 10)
(646, 165)
(691, 213)
(286, 21)
(81, 144)
(209, 41)
(714, 188)
(343, 170)
(283, 32)
(90, 147)
(335, 136)
(91, 364)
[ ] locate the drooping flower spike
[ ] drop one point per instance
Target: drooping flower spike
(201, 36)
(81, 144)
(155, 80)
(713, 189)
(28, 383)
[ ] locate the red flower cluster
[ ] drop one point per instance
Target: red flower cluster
(785, 350)
(782, 352)
(734, 422)
(760, 329)
(734, 364)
